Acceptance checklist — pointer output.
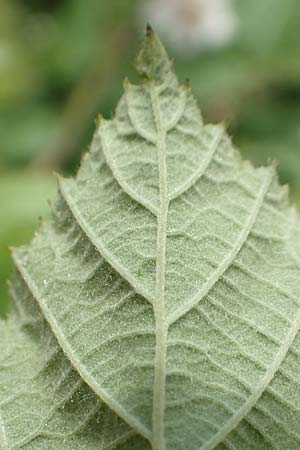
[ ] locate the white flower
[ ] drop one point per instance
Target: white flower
(192, 25)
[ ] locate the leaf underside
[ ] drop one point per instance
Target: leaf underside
(160, 306)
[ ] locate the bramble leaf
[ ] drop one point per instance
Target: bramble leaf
(169, 277)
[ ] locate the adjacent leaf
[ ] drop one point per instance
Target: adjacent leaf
(169, 276)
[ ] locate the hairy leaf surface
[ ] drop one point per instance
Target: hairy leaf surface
(169, 276)
(44, 403)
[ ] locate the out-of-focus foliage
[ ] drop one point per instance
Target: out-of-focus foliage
(62, 61)
(23, 198)
(46, 48)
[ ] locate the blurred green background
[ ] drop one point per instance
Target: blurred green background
(62, 61)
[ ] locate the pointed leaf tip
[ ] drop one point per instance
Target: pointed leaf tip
(149, 29)
(153, 62)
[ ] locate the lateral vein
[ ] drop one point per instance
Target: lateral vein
(257, 393)
(84, 373)
(104, 252)
(226, 263)
(202, 168)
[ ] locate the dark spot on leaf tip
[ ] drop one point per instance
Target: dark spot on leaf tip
(98, 119)
(187, 83)
(149, 30)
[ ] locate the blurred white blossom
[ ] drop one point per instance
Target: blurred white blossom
(192, 25)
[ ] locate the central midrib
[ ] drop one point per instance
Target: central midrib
(158, 436)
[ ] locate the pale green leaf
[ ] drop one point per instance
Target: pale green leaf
(44, 404)
(169, 276)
